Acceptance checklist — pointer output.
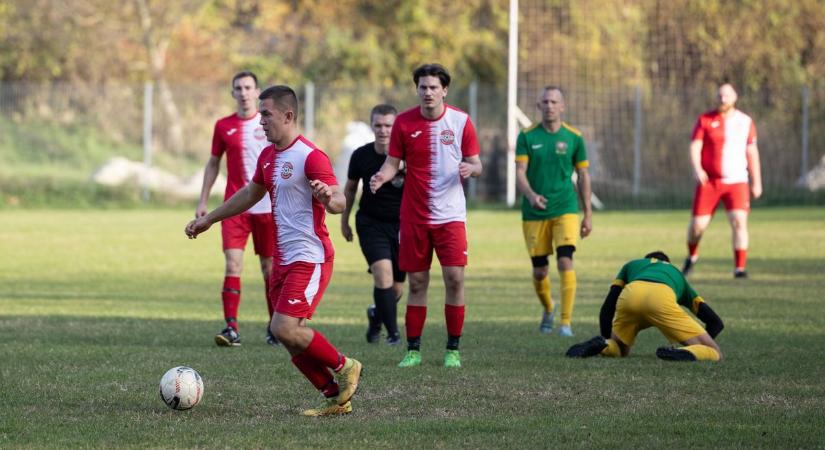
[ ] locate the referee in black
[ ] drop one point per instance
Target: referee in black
(377, 224)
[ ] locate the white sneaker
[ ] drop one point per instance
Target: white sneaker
(565, 331)
(546, 325)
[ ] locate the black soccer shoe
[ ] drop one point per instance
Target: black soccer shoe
(740, 274)
(228, 337)
(393, 339)
(374, 327)
(271, 339)
(587, 349)
(674, 354)
(687, 268)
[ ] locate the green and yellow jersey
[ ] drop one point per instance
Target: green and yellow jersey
(658, 271)
(551, 159)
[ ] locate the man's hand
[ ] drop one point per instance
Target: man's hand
(376, 181)
(321, 191)
(201, 210)
(756, 190)
(701, 176)
(465, 170)
(537, 201)
(196, 227)
(346, 231)
(587, 226)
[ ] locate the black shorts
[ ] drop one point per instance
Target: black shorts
(379, 240)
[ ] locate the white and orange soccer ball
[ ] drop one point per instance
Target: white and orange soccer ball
(181, 387)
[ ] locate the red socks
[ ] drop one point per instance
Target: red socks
(454, 316)
(415, 317)
(231, 297)
(320, 350)
(693, 250)
(740, 257)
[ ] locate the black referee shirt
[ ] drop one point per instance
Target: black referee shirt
(384, 205)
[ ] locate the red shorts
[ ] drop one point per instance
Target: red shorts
(417, 241)
(297, 288)
(236, 229)
(707, 196)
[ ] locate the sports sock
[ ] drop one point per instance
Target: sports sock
(386, 307)
(568, 295)
(702, 352)
(231, 298)
(612, 349)
(542, 288)
(320, 350)
(693, 251)
(318, 375)
(454, 316)
(415, 317)
(740, 257)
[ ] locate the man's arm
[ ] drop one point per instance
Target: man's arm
(238, 203)
(536, 200)
(584, 196)
(755, 169)
(210, 174)
(713, 323)
(350, 189)
(696, 161)
(385, 173)
(470, 167)
(331, 196)
(608, 310)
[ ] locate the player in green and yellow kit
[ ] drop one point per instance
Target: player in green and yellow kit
(648, 293)
(546, 156)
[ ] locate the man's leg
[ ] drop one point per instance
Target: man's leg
(738, 219)
(699, 348)
(385, 297)
(696, 227)
(568, 288)
(415, 317)
(454, 307)
(231, 298)
(541, 284)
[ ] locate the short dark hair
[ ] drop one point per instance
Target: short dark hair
(244, 74)
(658, 254)
(553, 87)
(383, 110)
(432, 70)
(283, 96)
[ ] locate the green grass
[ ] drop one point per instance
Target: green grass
(96, 306)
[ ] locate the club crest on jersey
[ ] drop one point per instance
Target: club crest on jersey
(259, 134)
(447, 137)
(286, 170)
(561, 148)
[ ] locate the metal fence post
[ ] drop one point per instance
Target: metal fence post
(148, 89)
(309, 107)
(806, 97)
(472, 183)
(637, 143)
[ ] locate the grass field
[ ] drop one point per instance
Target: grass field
(96, 306)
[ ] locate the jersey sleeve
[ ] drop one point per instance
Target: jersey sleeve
(258, 176)
(218, 145)
(318, 167)
(698, 131)
(522, 152)
(690, 299)
(580, 155)
(621, 277)
(396, 149)
(352, 168)
(469, 140)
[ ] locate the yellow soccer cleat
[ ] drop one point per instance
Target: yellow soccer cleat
(348, 378)
(328, 407)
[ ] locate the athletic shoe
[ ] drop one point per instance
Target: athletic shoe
(328, 407)
(674, 354)
(228, 338)
(587, 349)
(565, 331)
(452, 359)
(687, 268)
(740, 274)
(348, 378)
(412, 358)
(374, 327)
(271, 339)
(546, 325)
(393, 339)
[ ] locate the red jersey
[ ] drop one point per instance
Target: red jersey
(242, 140)
(724, 144)
(300, 229)
(433, 149)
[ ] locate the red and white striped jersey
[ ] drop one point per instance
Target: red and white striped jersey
(724, 144)
(242, 140)
(432, 150)
(300, 229)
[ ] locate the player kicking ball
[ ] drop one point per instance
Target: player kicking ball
(648, 292)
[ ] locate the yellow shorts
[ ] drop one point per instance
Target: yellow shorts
(644, 304)
(542, 236)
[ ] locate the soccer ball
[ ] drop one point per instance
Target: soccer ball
(181, 387)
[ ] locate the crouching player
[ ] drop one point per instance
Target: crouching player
(647, 292)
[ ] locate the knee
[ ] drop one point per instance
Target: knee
(453, 281)
(234, 267)
(282, 332)
(540, 273)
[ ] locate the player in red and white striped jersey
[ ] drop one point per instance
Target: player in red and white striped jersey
(302, 188)
(723, 153)
(439, 145)
(242, 139)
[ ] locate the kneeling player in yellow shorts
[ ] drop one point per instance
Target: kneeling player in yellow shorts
(647, 293)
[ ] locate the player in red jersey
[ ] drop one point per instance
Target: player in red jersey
(723, 153)
(242, 139)
(302, 188)
(439, 145)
